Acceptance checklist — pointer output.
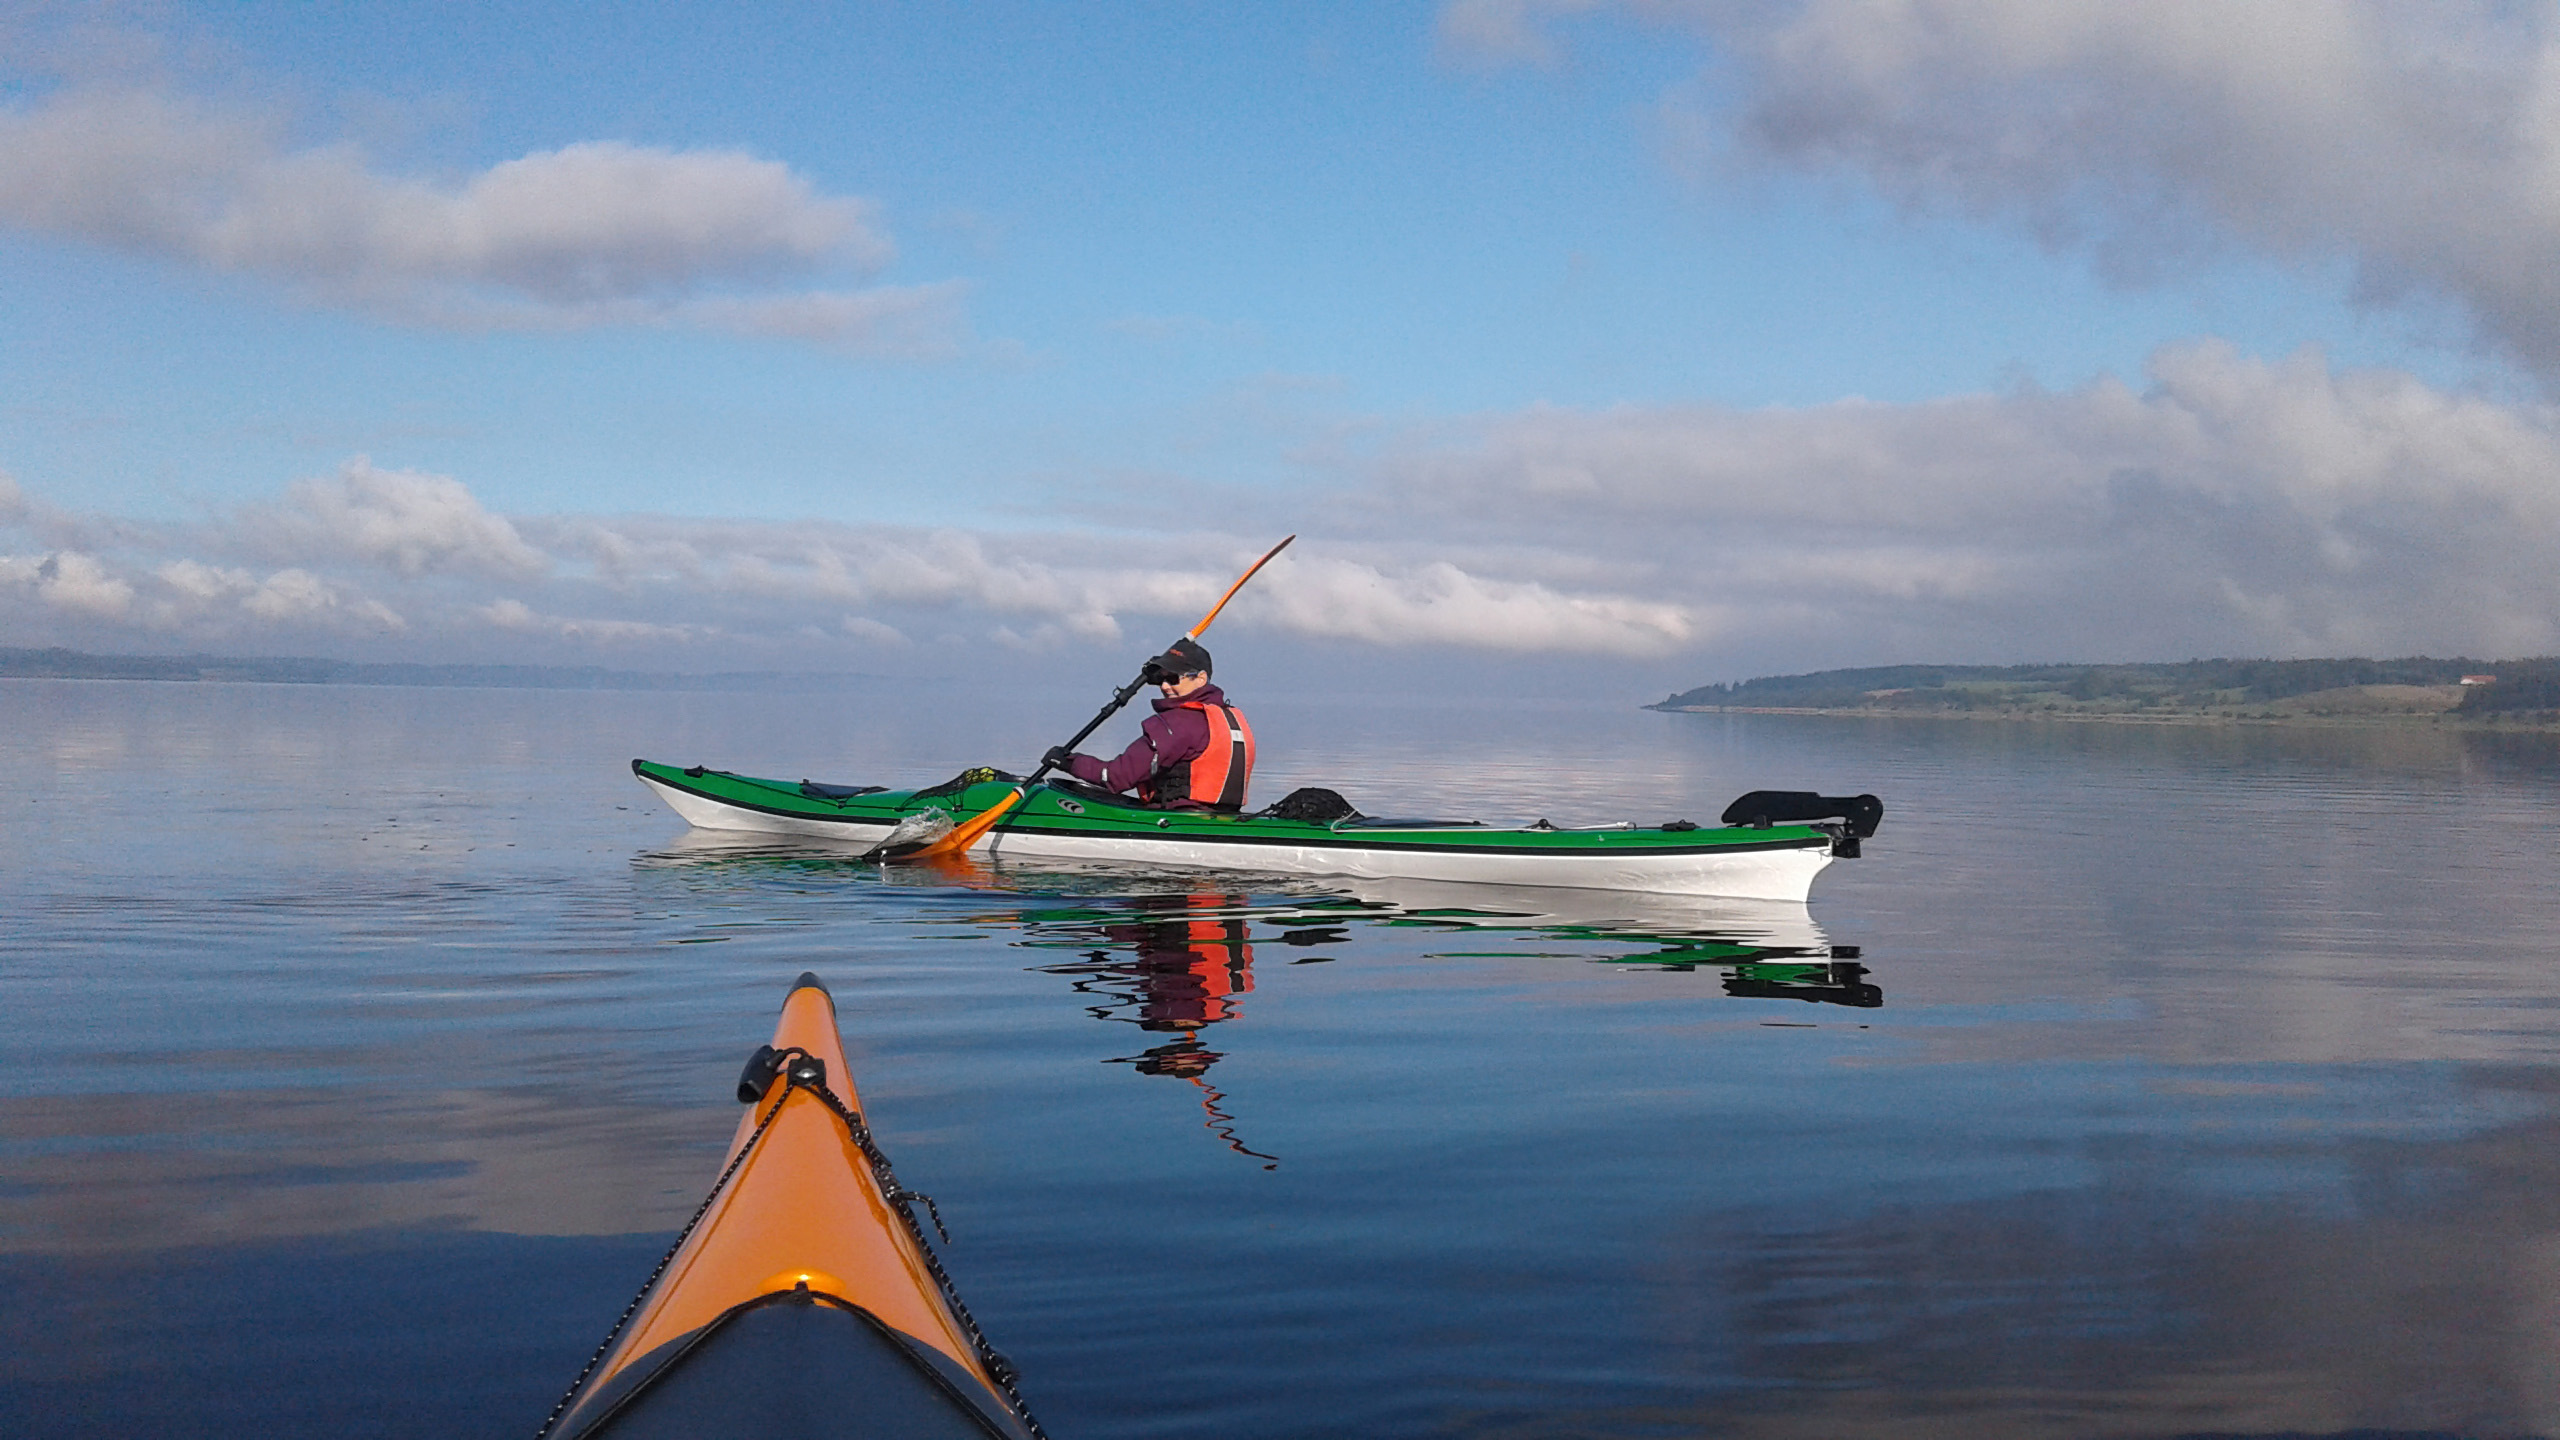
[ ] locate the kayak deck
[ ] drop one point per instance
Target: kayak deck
(1068, 821)
(801, 1300)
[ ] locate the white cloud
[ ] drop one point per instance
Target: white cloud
(69, 581)
(1437, 603)
(299, 595)
(206, 584)
(192, 593)
(877, 566)
(2235, 506)
(595, 233)
(185, 597)
(1048, 588)
(512, 614)
(2230, 505)
(2420, 144)
(409, 522)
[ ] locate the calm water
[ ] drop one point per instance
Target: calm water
(360, 1048)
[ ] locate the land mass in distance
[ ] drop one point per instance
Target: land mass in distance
(2419, 689)
(61, 664)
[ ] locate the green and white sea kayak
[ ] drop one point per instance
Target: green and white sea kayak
(1063, 820)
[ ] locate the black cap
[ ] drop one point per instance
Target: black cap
(1180, 658)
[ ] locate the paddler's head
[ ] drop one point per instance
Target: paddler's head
(1183, 669)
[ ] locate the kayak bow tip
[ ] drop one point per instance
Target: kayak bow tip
(817, 1280)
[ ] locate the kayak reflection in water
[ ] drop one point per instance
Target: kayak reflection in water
(1181, 972)
(1194, 753)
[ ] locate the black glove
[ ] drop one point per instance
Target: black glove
(1057, 758)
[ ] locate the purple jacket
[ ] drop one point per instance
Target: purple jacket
(1172, 735)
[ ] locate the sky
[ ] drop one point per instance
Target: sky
(1622, 343)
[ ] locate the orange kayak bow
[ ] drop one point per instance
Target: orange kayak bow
(802, 1299)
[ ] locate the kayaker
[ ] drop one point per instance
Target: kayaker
(1194, 753)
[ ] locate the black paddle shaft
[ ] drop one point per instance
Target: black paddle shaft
(1117, 701)
(1149, 670)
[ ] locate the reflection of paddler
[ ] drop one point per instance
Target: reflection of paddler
(1188, 1059)
(1189, 972)
(1183, 1059)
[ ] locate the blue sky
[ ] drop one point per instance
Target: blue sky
(1710, 339)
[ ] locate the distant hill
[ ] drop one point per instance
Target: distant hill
(2268, 689)
(62, 664)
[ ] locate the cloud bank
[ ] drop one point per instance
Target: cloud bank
(2232, 505)
(370, 555)
(595, 233)
(2419, 144)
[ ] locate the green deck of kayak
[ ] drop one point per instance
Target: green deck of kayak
(1084, 813)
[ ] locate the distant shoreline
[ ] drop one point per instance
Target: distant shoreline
(2539, 721)
(58, 663)
(2460, 692)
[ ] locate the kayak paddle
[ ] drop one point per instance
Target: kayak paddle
(961, 836)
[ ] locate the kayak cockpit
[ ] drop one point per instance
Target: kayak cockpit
(816, 791)
(798, 1363)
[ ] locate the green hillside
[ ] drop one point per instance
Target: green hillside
(2266, 688)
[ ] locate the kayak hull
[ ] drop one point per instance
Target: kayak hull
(1773, 863)
(1760, 874)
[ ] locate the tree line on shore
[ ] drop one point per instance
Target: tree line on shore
(2520, 685)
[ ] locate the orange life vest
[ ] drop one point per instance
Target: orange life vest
(1215, 777)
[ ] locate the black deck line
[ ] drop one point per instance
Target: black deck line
(1335, 842)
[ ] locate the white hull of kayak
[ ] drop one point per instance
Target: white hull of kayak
(1752, 874)
(1785, 875)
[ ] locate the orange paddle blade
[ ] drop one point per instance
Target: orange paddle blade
(966, 833)
(1196, 631)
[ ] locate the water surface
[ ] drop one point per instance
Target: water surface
(360, 1048)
